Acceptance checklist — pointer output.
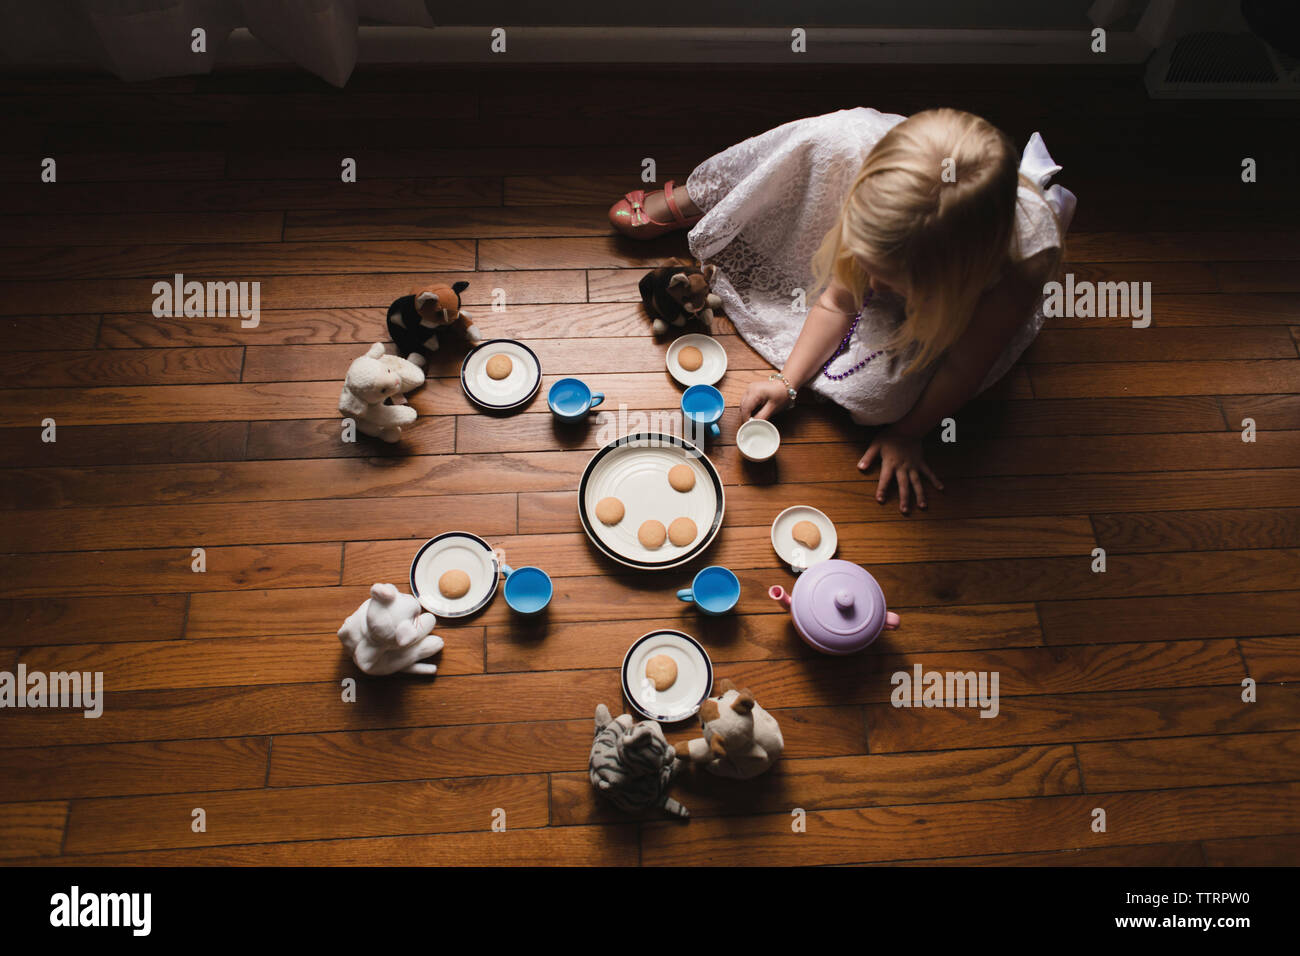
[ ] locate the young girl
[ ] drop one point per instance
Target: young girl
(921, 242)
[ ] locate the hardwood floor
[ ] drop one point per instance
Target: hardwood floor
(1120, 690)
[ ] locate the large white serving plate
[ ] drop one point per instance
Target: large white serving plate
(634, 469)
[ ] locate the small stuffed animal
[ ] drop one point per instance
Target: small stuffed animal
(740, 739)
(414, 320)
(632, 764)
(677, 292)
(372, 379)
(390, 632)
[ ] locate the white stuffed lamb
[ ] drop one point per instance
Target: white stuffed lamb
(390, 632)
(740, 738)
(372, 378)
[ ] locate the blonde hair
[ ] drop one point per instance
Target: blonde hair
(934, 202)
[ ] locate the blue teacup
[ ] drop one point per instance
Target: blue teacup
(570, 399)
(527, 590)
(715, 590)
(703, 405)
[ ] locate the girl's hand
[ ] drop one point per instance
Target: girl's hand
(764, 399)
(901, 460)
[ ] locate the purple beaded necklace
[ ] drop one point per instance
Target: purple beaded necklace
(844, 347)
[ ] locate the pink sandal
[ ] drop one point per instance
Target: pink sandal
(629, 217)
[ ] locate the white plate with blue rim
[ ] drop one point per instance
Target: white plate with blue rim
(683, 697)
(512, 391)
(458, 551)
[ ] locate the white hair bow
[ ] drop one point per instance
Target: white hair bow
(1037, 165)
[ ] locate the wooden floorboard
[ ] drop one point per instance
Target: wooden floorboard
(921, 830)
(1162, 688)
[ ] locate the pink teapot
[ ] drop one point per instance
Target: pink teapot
(837, 607)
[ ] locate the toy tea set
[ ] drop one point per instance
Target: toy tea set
(648, 501)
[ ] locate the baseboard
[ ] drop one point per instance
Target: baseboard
(704, 45)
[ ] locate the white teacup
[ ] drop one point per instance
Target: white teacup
(758, 439)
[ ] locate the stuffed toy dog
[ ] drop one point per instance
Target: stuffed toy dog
(390, 632)
(373, 379)
(740, 740)
(414, 320)
(677, 292)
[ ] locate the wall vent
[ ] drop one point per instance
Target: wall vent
(1221, 65)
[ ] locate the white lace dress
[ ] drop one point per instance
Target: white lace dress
(770, 200)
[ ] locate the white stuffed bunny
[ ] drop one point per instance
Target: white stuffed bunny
(390, 632)
(372, 378)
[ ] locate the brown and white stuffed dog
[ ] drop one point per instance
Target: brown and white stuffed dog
(740, 740)
(414, 320)
(676, 292)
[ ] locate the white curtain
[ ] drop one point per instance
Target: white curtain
(145, 39)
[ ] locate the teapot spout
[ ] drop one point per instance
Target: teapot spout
(780, 595)
(892, 620)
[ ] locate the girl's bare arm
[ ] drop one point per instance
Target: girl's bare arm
(827, 321)
(824, 327)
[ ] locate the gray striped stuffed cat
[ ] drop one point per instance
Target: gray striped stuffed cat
(632, 764)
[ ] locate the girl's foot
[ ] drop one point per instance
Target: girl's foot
(645, 216)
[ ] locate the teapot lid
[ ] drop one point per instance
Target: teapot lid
(838, 606)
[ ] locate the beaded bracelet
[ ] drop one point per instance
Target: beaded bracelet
(790, 390)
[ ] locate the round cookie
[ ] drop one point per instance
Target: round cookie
(454, 584)
(681, 477)
(609, 511)
(807, 534)
(651, 534)
(682, 532)
(499, 366)
(662, 671)
(690, 358)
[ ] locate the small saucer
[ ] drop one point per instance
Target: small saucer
(791, 551)
(713, 367)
